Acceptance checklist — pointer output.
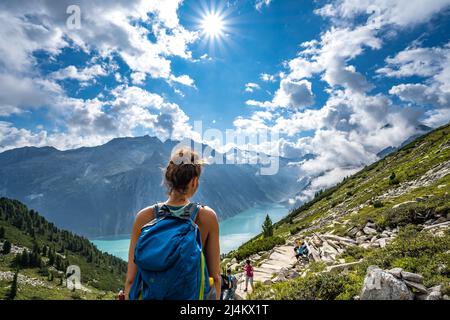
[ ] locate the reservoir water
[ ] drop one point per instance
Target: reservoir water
(233, 231)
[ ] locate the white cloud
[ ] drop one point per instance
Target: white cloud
(18, 94)
(83, 75)
(267, 77)
(433, 63)
(416, 61)
(421, 94)
(107, 27)
(259, 4)
(138, 77)
(437, 117)
(250, 87)
(380, 13)
(92, 121)
(291, 94)
(183, 79)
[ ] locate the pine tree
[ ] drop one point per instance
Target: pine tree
(2, 233)
(267, 227)
(6, 247)
(13, 291)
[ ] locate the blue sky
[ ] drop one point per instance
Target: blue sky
(327, 75)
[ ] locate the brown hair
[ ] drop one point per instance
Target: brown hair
(183, 166)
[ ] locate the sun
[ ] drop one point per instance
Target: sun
(212, 25)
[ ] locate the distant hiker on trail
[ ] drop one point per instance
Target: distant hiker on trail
(121, 295)
(232, 286)
(174, 247)
(224, 285)
(248, 269)
(300, 249)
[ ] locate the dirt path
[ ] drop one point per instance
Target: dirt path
(281, 257)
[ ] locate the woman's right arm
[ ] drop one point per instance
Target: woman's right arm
(144, 216)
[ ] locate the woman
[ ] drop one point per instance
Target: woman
(182, 180)
(248, 269)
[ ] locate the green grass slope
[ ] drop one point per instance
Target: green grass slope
(41, 252)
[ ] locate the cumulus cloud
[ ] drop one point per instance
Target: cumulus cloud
(83, 75)
(432, 63)
(380, 13)
(87, 122)
(18, 94)
(109, 31)
(291, 94)
(108, 27)
(267, 77)
(416, 61)
(250, 87)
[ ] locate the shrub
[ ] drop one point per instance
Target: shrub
(411, 213)
(393, 180)
(378, 204)
(255, 246)
(324, 286)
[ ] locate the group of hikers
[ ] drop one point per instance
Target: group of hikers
(229, 282)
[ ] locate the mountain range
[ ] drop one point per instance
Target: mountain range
(96, 191)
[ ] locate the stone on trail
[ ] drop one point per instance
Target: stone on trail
(381, 285)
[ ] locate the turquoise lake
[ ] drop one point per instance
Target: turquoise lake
(233, 231)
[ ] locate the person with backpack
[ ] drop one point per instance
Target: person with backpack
(174, 251)
(224, 285)
(248, 269)
(232, 286)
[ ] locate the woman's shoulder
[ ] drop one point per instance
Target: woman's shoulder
(207, 215)
(144, 216)
(207, 211)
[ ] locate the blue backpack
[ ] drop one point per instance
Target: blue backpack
(169, 258)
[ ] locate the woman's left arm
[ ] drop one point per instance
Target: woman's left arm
(212, 249)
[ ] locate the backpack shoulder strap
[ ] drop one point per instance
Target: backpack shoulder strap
(160, 209)
(191, 211)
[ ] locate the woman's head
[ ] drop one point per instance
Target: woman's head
(183, 172)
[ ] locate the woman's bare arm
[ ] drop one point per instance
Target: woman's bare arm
(212, 248)
(143, 217)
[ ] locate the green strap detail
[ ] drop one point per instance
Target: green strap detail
(202, 278)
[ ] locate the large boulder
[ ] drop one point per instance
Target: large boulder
(381, 285)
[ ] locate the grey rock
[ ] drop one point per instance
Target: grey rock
(437, 288)
(434, 295)
(292, 274)
(417, 286)
(381, 285)
(369, 231)
(396, 272)
(371, 225)
(413, 277)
